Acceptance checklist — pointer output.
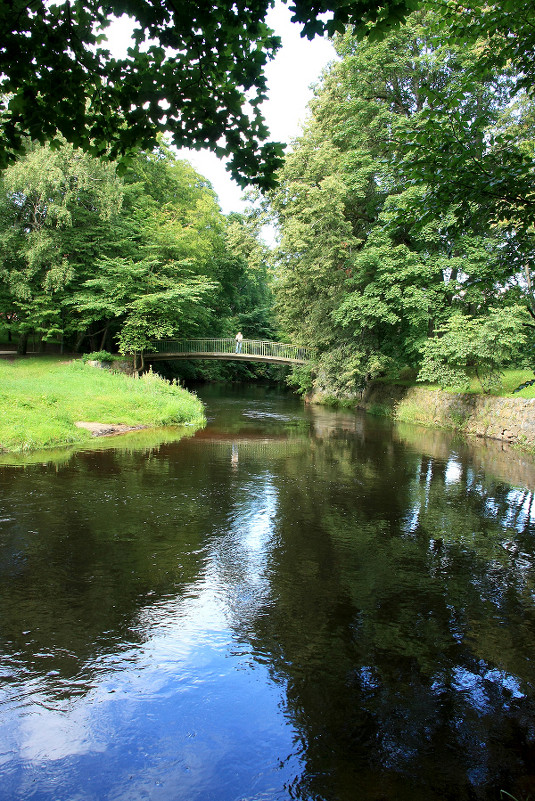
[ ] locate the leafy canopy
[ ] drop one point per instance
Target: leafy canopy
(399, 209)
(195, 69)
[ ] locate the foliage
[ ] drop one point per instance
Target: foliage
(247, 286)
(87, 256)
(196, 71)
(504, 30)
(41, 399)
(150, 298)
(467, 346)
(474, 147)
(377, 253)
(301, 378)
(48, 200)
(98, 356)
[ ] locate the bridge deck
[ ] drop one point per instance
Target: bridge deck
(252, 350)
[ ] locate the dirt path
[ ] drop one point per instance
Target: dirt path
(107, 429)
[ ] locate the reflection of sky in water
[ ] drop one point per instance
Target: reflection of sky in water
(454, 471)
(408, 647)
(187, 711)
(514, 511)
(520, 509)
(412, 517)
(265, 415)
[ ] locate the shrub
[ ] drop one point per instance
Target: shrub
(474, 347)
(100, 356)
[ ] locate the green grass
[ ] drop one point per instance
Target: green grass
(41, 398)
(513, 378)
(510, 380)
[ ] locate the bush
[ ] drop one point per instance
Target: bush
(100, 356)
(477, 347)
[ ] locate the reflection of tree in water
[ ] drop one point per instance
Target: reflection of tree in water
(390, 592)
(400, 626)
(84, 549)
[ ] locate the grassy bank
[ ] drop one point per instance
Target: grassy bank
(511, 379)
(42, 398)
(507, 418)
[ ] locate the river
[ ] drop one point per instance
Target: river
(292, 603)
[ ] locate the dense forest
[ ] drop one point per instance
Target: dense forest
(94, 261)
(406, 213)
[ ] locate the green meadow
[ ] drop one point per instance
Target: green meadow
(42, 398)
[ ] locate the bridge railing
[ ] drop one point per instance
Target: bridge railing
(249, 347)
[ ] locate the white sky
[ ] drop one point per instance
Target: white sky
(290, 75)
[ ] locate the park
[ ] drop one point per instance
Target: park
(267, 518)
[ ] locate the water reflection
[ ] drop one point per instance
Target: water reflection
(293, 603)
(170, 698)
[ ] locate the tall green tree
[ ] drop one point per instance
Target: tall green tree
(156, 278)
(364, 275)
(49, 200)
(105, 261)
(248, 285)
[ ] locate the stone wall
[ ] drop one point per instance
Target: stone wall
(510, 420)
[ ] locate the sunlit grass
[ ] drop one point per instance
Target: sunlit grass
(511, 379)
(42, 398)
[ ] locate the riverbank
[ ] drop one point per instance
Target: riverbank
(509, 419)
(46, 402)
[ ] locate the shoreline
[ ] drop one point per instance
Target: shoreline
(506, 419)
(108, 429)
(52, 403)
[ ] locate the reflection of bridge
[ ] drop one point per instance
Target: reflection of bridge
(246, 448)
(252, 350)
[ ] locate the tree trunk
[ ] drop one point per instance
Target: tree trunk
(104, 337)
(78, 344)
(22, 345)
(531, 299)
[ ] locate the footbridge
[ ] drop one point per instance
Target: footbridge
(252, 350)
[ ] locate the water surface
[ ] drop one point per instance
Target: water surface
(291, 604)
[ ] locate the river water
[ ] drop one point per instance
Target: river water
(289, 604)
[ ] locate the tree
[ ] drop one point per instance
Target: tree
(150, 299)
(101, 260)
(48, 202)
(473, 347)
(505, 31)
(472, 149)
(195, 69)
(246, 279)
(157, 276)
(476, 155)
(365, 275)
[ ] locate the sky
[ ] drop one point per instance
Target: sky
(290, 76)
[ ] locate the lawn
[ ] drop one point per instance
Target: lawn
(511, 379)
(41, 398)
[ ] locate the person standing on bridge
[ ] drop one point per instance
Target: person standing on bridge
(239, 340)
